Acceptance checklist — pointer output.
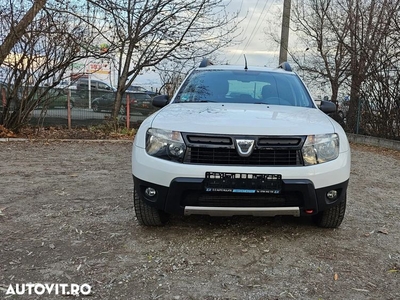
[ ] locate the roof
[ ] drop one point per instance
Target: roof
(238, 67)
(207, 64)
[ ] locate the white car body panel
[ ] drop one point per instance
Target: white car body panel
(240, 119)
(162, 172)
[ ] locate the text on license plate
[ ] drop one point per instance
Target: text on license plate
(243, 183)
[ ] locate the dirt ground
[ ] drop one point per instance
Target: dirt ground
(66, 216)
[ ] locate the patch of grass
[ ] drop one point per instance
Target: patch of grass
(103, 131)
(112, 130)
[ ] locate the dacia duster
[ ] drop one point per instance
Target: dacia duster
(240, 140)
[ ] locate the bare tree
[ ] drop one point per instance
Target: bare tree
(17, 31)
(39, 60)
(347, 43)
(172, 74)
(320, 58)
(146, 32)
(379, 108)
(327, 58)
(370, 22)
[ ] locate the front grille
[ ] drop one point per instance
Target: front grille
(214, 149)
(259, 157)
(242, 200)
(211, 140)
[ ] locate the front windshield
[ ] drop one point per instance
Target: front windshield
(227, 86)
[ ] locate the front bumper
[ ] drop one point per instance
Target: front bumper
(187, 196)
(163, 172)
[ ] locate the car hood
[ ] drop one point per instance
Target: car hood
(248, 119)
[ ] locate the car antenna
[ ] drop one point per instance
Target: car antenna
(245, 62)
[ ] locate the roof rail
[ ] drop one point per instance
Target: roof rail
(285, 65)
(205, 62)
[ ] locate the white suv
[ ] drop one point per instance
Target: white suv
(241, 141)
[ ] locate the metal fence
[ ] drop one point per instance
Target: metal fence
(82, 108)
(77, 108)
(80, 117)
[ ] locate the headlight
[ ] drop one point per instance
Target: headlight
(165, 144)
(320, 148)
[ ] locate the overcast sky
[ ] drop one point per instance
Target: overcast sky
(258, 16)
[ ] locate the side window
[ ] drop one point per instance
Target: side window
(103, 86)
(84, 86)
(142, 96)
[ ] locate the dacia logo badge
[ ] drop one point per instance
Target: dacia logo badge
(244, 147)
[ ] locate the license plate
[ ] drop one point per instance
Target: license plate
(243, 183)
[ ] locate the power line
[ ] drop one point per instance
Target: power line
(255, 28)
(248, 24)
(247, 27)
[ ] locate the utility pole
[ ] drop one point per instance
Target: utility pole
(285, 31)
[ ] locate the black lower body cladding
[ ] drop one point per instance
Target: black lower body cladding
(191, 192)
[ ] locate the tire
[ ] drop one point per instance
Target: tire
(95, 107)
(332, 217)
(147, 215)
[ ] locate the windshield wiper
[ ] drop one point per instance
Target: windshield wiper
(197, 101)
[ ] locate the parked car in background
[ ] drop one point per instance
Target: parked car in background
(97, 88)
(138, 88)
(55, 98)
(139, 102)
(343, 107)
(64, 84)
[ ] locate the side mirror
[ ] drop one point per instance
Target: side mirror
(327, 107)
(160, 101)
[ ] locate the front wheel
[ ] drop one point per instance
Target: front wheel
(148, 215)
(95, 107)
(332, 217)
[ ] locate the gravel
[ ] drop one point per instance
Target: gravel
(66, 216)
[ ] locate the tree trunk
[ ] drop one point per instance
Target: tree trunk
(354, 113)
(18, 31)
(335, 91)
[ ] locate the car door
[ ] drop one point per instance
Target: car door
(106, 101)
